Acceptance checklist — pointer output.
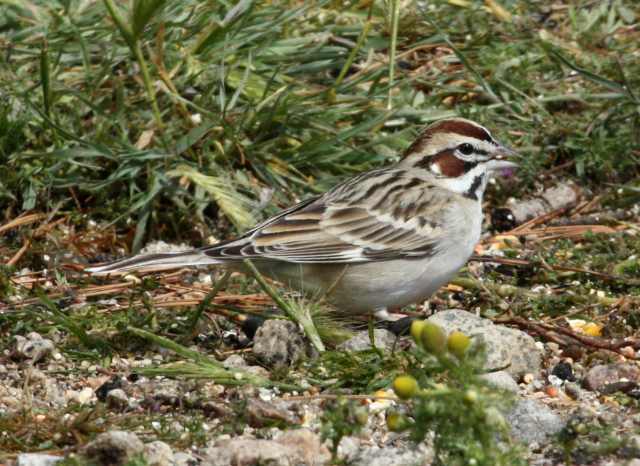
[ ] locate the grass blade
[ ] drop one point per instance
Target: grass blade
(297, 315)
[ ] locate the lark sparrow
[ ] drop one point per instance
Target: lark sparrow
(383, 239)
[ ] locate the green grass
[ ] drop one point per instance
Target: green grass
(258, 105)
(275, 100)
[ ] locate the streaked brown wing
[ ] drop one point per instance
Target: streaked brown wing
(381, 215)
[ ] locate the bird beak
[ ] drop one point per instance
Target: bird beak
(500, 160)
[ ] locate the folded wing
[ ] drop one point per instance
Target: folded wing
(380, 215)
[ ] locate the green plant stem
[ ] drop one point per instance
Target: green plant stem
(197, 314)
(304, 320)
(146, 78)
(121, 24)
(175, 347)
(205, 367)
(392, 49)
(372, 337)
(352, 54)
(134, 45)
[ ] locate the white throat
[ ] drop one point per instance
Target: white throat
(472, 184)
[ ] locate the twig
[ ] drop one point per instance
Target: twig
(558, 268)
(18, 255)
(538, 220)
(328, 396)
(22, 220)
(547, 331)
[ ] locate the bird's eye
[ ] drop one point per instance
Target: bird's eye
(466, 148)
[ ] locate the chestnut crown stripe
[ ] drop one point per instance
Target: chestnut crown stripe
(463, 128)
(454, 126)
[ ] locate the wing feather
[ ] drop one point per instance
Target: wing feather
(343, 226)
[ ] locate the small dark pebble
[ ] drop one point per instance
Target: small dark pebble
(111, 384)
(502, 219)
(401, 326)
(634, 393)
(506, 270)
(233, 340)
(564, 371)
(251, 325)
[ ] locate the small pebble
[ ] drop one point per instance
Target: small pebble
(555, 381)
(563, 371)
(628, 352)
(553, 347)
(573, 390)
(117, 399)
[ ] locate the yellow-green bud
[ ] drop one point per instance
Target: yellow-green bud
(458, 343)
(470, 396)
(433, 338)
(581, 428)
(396, 422)
(416, 330)
(405, 386)
(362, 415)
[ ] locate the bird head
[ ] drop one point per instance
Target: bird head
(460, 155)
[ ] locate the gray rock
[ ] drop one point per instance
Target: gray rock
(393, 456)
(258, 371)
(384, 340)
(242, 451)
(507, 348)
(37, 459)
(184, 459)
(261, 413)
(296, 447)
(602, 375)
(279, 343)
(33, 347)
(349, 448)
(501, 380)
(117, 399)
(114, 448)
(158, 453)
(533, 422)
(235, 361)
(306, 446)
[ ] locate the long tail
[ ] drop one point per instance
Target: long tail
(159, 261)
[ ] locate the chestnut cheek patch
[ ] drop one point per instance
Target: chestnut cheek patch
(447, 164)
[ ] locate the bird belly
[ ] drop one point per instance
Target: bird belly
(394, 284)
(372, 286)
(366, 288)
